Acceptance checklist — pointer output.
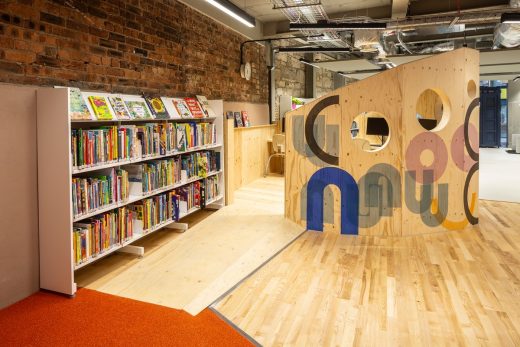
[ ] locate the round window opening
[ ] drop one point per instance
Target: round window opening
(370, 131)
(432, 110)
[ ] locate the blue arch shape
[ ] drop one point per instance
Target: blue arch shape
(349, 199)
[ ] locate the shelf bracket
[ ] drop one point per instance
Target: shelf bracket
(182, 227)
(131, 249)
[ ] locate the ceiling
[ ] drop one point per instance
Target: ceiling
(263, 10)
(498, 64)
(414, 29)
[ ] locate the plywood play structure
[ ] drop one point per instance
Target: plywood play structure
(392, 155)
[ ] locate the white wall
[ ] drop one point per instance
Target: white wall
(19, 262)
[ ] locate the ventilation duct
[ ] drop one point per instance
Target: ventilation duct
(367, 41)
(441, 47)
(508, 35)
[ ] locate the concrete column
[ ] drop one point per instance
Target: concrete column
(513, 110)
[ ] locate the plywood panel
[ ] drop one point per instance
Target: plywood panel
(251, 147)
(191, 270)
(18, 205)
(413, 184)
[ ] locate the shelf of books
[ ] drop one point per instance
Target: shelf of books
(115, 168)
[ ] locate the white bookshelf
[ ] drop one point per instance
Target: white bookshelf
(55, 174)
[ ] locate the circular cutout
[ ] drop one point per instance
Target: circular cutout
(370, 131)
(432, 109)
(472, 89)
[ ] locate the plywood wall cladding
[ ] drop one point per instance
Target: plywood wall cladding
(414, 171)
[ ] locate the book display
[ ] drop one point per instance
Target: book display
(245, 119)
(157, 107)
(194, 107)
(121, 178)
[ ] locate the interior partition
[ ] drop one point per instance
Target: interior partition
(392, 155)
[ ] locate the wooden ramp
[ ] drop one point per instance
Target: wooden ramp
(190, 271)
(442, 289)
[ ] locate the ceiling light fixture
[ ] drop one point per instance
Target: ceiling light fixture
(325, 25)
(305, 61)
(509, 18)
(517, 78)
(234, 11)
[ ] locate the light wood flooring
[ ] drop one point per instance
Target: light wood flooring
(452, 288)
(191, 270)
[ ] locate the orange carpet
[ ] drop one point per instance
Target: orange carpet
(97, 319)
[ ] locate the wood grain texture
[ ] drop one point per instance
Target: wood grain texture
(191, 270)
(440, 289)
(394, 94)
(251, 149)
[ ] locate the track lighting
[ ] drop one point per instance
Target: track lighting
(234, 11)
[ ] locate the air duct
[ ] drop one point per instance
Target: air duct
(508, 35)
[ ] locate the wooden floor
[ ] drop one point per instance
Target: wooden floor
(454, 288)
(190, 271)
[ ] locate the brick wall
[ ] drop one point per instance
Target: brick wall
(127, 46)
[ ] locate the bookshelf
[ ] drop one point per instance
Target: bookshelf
(56, 172)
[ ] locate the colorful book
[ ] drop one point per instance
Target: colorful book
(180, 137)
(77, 107)
(205, 106)
(118, 105)
(195, 109)
(100, 107)
(182, 108)
(138, 109)
(245, 119)
(238, 120)
(157, 107)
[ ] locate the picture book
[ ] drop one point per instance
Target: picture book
(202, 165)
(182, 108)
(170, 107)
(77, 107)
(138, 109)
(118, 105)
(205, 106)
(100, 107)
(245, 119)
(229, 115)
(195, 109)
(180, 136)
(157, 107)
(238, 120)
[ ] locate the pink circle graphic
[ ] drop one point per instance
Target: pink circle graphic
(458, 149)
(420, 143)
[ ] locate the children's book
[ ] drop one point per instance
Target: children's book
(195, 109)
(205, 106)
(100, 107)
(245, 119)
(157, 107)
(229, 115)
(118, 105)
(180, 137)
(138, 109)
(238, 120)
(77, 107)
(182, 108)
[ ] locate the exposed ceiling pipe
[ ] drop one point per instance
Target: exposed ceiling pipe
(507, 35)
